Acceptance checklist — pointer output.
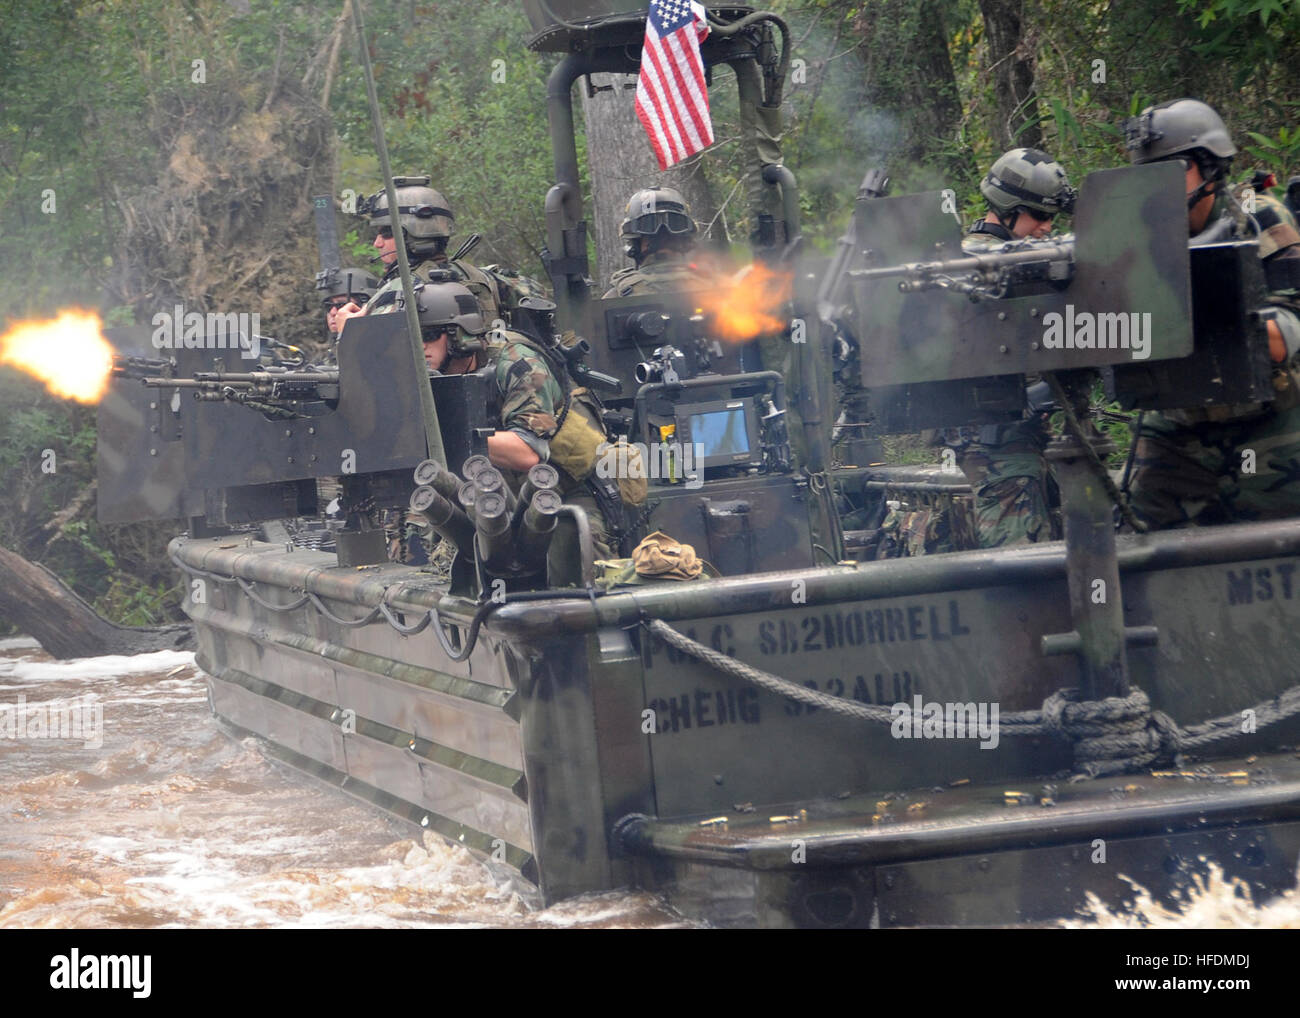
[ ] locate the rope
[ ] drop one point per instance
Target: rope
(1109, 736)
(772, 683)
(247, 588)
(365, 620)
(405, 630)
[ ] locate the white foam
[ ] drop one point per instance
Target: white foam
(20, 643)
(89, 669)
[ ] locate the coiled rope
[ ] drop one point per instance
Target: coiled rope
(1108, 736)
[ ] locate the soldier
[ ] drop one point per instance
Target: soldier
(1024, 189)
(660, 236)
(1194, 467)
(542, 419)
(426, 223)
(341, 288)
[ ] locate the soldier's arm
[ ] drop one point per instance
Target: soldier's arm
(508, 449)
(1283, 334)
(530, 404)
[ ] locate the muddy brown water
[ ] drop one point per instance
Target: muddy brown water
(171, 822)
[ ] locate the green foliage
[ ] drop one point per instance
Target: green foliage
(464, 102)
(1244, 31)
(908, 450)
(1279, 153)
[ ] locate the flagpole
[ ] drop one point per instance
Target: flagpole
(429, 412)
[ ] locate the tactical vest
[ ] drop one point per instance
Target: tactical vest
(656, 277)
(483, 285)
(576, 445)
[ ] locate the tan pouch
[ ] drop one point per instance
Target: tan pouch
(575, 445)
(666, 558)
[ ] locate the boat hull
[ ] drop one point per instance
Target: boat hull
(567, 718)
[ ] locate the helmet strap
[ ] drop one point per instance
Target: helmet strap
(1008, 221)
(1211, 173)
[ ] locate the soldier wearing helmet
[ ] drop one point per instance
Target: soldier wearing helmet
(1025, 189)
(536, 405)
(658, 235)
(1189, 463)
(425, 223)
(341, 287)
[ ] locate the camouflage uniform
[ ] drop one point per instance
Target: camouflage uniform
(658, 272)
(532, 404)
(1188, 463)
(1004, 462)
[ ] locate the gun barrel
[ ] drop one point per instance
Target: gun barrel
(537, 527)
(243, 380)
(988, 263)
(466, 494)
(447, 519)
(267, 377)
(492, 523)
(470, 468)
(442, 480)
(490, 479)
(155, 382)
(541, 477)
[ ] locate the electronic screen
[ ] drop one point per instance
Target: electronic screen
(722, 432)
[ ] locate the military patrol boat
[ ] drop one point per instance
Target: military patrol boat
(981, 737)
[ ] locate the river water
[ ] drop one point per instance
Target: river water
(147, 814)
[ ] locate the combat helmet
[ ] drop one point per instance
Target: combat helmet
(1027, 178)
(1182, 127)
(345, 283)
(444, 305)
(423, 212)
(651, 212)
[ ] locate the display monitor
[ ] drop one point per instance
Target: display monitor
(726, 430)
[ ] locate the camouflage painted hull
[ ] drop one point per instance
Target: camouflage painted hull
(534, 751)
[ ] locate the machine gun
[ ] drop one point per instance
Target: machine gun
(984, 276)
(284, 395)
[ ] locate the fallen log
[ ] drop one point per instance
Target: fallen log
(41, 605)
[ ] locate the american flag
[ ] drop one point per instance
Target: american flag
(672, 101)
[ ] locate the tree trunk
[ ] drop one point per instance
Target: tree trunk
(621, 162)
(40, 605)
(908, 75)
(1011, 60)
